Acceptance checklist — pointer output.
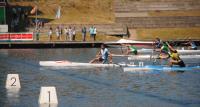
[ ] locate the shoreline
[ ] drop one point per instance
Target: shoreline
(69, 44)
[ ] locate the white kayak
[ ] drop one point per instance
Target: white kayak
(178, 50)
(121, 41)
(77, 64)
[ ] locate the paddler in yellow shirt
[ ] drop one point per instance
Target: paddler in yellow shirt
(174, 57)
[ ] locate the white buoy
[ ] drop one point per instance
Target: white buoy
(13, 82)
(48, 105)
(48, 96)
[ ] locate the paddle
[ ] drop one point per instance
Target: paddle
(123, 64)
(152, 53)
(120, 65)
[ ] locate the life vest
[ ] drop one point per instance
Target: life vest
(175, 56)
(165, 48)
(133, 49)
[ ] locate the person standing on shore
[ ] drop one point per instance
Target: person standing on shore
(37, 33)
(74, 34)
(84, 31)
(50, 33)
(66, 33)
(58, 33)
(94, 33)
(70, 33)
(91, 30)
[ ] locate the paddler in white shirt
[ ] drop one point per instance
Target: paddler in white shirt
(103, 56)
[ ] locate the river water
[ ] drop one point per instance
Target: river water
(94, 87)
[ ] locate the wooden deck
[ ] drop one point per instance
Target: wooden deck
(60, 44)
(64, 44)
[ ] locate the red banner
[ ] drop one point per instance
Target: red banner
(16, 36)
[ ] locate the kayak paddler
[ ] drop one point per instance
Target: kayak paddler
(164, 51)
(174, 57)
(192, 44)
(103, 56)
(130, 49)
(158, 43)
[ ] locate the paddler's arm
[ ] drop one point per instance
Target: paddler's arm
(96, 58)
(170, 47)
(98, 54)
(161, 49)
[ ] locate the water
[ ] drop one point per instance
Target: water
(94, 87)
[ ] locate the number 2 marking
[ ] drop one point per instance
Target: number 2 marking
(13, 84)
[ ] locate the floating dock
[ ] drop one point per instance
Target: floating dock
(69, 44)
(60, 44)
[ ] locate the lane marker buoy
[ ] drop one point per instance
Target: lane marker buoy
(13, 81)
(48, 95)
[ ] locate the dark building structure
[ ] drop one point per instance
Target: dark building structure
(3, 4)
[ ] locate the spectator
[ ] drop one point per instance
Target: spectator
(50, 33)
(61, 31)
(74, 34)
(58, 33)
(70, 33)
(94, 33)
(66, 33)
(37, 33)
(83, 33)
(91, 30)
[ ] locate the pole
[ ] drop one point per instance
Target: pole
(36, 17)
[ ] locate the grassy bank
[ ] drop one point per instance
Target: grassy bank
(73, 11)
(168, 33)
(144, 34)
(174, 13)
